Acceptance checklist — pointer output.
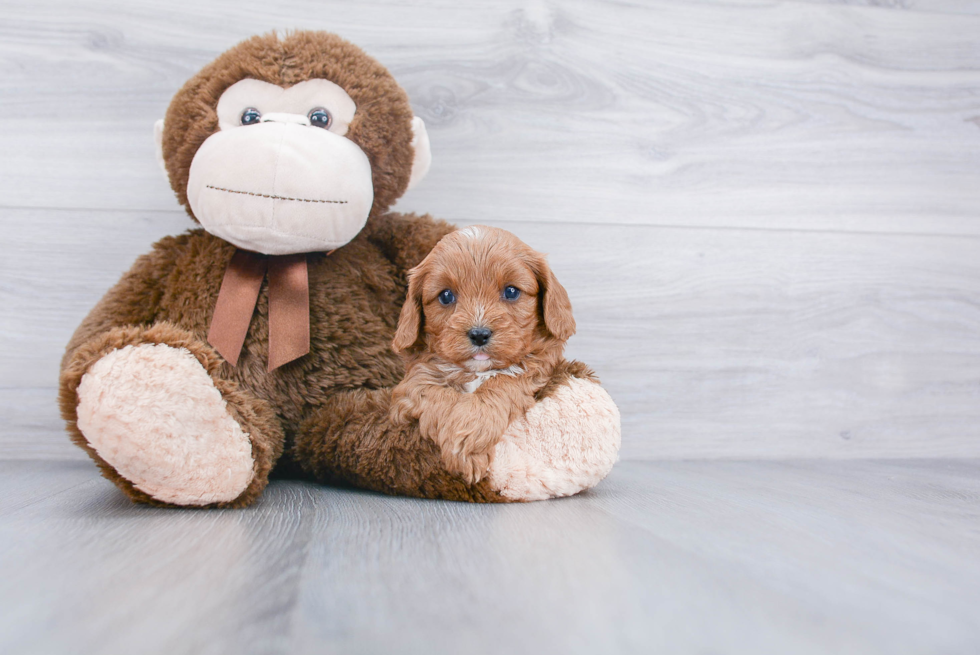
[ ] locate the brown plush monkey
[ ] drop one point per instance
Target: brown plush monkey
(262, 340)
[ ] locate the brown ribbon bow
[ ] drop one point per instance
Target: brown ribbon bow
(289, 306)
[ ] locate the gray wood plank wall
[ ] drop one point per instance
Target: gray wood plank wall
(766, 213)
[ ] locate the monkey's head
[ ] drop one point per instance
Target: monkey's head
(287, 144)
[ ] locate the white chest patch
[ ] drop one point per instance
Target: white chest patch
(483, 376)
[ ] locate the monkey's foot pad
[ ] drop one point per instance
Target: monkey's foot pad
(565, 444)
(153, 413)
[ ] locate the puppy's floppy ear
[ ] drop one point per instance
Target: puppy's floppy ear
(553, 300)
(409, 336)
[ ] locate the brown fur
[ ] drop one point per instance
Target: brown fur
(527, 332)
(254, 415)
(350, 440)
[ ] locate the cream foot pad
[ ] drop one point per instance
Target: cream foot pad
(154, 414)
(565, 444)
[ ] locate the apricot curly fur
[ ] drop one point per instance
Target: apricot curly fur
(525, 338)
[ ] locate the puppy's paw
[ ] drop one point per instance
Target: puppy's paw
(468, 448)
(402, 410)
(472, 467)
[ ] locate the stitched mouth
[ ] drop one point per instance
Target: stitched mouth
(275, 197)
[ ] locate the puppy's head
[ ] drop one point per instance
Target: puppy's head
(482, 299)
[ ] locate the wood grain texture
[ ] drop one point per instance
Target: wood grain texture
(839, 116)
(684, 557)
(765, 213)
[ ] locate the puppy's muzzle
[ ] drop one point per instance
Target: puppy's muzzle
(479, 336)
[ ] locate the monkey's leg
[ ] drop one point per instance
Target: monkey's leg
(566, 443)
(149, 406)
(350, 439)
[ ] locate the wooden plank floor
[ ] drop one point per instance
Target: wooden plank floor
(671, 557)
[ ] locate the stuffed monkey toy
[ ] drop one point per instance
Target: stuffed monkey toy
(261, 341)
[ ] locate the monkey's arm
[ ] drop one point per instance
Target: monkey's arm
(406, 239)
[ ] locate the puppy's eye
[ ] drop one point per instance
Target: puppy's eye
(511, 293)
(320, 117)
(446, 297)
(251, 116)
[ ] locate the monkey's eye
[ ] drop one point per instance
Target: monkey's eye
(446, 297)
(320, 117)
(251, 116)
(511, 293)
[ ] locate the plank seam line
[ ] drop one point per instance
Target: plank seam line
(661, 226)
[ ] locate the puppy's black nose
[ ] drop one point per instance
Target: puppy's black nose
(479, 336)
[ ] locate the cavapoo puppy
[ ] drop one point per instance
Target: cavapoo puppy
(482, 332)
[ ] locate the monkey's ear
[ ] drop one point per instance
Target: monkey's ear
(409, 335)
(423, 154)
(158, 142)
